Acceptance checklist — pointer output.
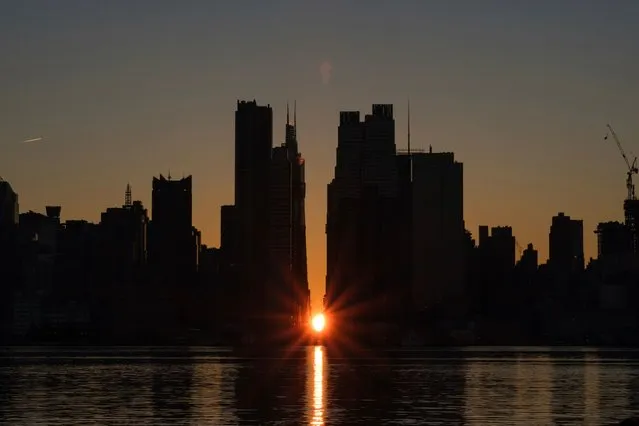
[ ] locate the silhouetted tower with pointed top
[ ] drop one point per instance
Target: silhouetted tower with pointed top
(124, 239)
(127, 196)
(287, 229)
(298, 223)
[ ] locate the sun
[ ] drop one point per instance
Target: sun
(318, 322)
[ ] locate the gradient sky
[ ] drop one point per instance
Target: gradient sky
(521, 91)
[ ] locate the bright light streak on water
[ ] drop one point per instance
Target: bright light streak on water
(214, 386)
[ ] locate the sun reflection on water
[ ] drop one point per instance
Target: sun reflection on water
(317, 417)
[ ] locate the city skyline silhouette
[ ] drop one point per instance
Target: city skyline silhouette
(521, 94)
(402, 263)
(336, 212)
(541, 243)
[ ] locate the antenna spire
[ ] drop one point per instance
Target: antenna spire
(127, 196)
(287, 120)
(409, 126)
(295, 115)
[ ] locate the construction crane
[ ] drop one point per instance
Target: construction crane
(632, 167)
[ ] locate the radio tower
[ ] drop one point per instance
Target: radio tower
(127, 196)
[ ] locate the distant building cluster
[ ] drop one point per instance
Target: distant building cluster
(135, 278)
(402, 268)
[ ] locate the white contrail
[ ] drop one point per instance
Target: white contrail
(33, 140)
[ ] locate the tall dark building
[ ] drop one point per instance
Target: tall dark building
(124, 239)
(362, 222)
(438, 229)
(566, 244)
(500, 244)
(287, 241)
(529, 261)
(524, 275)
(76, 272)
(228, 231)
(39, 235)
(495, 269)
(343, 194)
(299, 264)
(613, 239)
(379, 165)
(253, 145)
(299, 256)
(229, 243)
(404, 249)
(280, 296)
(9, 208)
(631, 216)
(43, 229)
(9, 213)
(172, 242)
(9, 270)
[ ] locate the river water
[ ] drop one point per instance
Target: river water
(213, 386)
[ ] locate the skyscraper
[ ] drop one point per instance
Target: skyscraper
(631, 215)
(228, 256)
(362, 217)
(438, 228)
(253, 145)
(288, 291)
(298, 223)
(8, 205)
(379, 165)
(228, 232)
(124, 237)
(495, 270)
(9, 260)
(280, 294)
(404, 249)
(566, 244)
(613, 239)
(172, 243)
(9, 215)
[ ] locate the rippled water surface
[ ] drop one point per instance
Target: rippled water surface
(215, 386)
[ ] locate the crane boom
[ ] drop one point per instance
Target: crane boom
(632, 167)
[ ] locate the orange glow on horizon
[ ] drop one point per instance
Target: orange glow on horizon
(318, 322)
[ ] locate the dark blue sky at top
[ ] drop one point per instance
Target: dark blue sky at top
(87, 34)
